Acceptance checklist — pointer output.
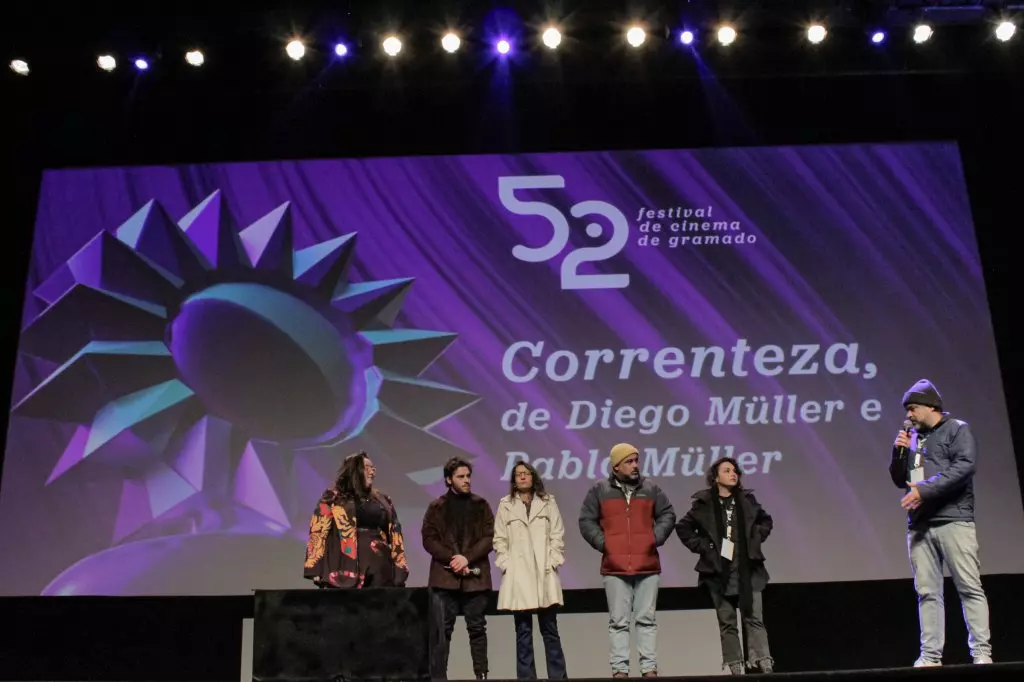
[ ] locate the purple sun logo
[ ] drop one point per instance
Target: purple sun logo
(217, 374)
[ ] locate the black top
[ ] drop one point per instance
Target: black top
(371, 515)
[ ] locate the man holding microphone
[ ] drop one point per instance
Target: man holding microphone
(933, 461)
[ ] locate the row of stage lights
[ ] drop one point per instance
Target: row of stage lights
(551, 38)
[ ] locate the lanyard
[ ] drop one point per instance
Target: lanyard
(918, 451)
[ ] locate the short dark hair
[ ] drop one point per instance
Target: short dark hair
(713, 472)
(538, 484)
(453, 465)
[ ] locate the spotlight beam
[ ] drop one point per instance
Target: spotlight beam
(636, 36)
(1005, 30)
(552, 38)
(392, 46)
(296, 49)
(451, 42)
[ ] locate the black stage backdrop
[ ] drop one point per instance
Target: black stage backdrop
(812, 626)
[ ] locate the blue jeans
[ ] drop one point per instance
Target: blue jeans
(526, 669)
(632, 600)
(954, 545)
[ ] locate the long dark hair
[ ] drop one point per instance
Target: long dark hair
(538, 484)
(350, 482)
(713, 472)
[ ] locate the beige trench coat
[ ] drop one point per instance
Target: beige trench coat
(529, 552)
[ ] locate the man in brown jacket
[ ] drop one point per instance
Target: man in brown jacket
(458, 533)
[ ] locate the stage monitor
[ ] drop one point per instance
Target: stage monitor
(202, 345)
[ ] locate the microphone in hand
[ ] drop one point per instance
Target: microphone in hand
(903, 440)
(470, 571)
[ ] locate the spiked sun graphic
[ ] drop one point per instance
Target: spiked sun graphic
(217, 374)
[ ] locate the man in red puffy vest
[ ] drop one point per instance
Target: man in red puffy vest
(626, 518)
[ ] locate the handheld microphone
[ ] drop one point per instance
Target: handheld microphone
(907, 427)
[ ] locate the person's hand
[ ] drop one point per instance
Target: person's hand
(911, 500)
(458, 563)
(902, 440)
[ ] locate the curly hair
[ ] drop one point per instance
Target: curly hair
(713, 472)
(350, 483)
(538, 484)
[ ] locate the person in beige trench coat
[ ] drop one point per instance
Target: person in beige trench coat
(529, 540)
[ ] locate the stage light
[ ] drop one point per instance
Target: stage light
(1005, 30)
(106, 62)
(686, 37)
(195, 58)
(878, 37)
(552, 38)
(341, 49)
(392, 46)
(450, 42)
(503, 46)
(636, 36)
(727, 35)
(816, 33)
(141, 64)
(19, 66)
(922, 32)
(295, 49)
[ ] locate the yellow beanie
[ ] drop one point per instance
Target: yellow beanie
(621, 452)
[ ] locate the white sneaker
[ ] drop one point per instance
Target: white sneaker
(982, 660)
(921, 663)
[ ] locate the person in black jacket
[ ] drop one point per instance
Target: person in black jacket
(934, 466)
(726, 526)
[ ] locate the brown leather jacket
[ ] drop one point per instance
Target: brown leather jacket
(439, 540)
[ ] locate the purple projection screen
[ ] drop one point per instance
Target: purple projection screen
(202, 345)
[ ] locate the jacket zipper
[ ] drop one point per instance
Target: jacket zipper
(629, 535)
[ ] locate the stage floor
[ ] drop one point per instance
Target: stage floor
(1001, 672)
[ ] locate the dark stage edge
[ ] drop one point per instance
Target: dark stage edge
(985, 673)
(996, 671)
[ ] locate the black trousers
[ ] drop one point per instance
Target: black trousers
(472, 606)
(548, 621)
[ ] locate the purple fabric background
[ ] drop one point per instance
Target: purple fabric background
(870, 244)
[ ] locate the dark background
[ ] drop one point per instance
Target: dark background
(251, 103)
